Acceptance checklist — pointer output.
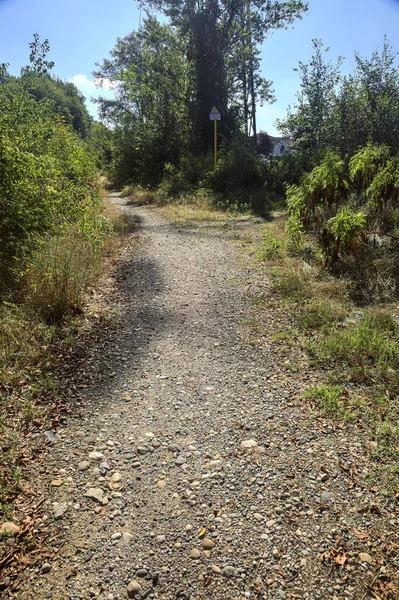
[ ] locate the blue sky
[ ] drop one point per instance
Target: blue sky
(83, 32)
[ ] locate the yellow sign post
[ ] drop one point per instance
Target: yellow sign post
(215, 116)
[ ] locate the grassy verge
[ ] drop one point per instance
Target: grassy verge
(198, 208)
(353, 350)
(43, 316)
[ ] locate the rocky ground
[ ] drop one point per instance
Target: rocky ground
(189, 468)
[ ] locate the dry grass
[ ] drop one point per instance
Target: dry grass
(59, 274)
(192, 212)
(138, 196)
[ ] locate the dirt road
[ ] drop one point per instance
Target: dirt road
(189, 469)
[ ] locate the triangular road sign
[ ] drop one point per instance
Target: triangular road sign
(215, 115)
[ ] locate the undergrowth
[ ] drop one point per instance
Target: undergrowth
(200, 206)
(354, 350)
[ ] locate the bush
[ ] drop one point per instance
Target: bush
(238, 172)
(46, 178)
(270, 248)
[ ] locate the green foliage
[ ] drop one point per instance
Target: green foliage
(150, 113)
(37, 58)
(100, 141)
(345, 113)
(270, 248)
(62, 98)
(298, 215)
(347, 228)
(363, 166)
(238, 168)
(319, 313)
(342, 201)
(384, 188)
(326, 184)
(170, 75)
(47, 173)
(311, 125)
(327, 397)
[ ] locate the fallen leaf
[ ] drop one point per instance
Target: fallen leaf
(361, 535)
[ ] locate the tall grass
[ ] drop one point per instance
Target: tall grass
(59, 274)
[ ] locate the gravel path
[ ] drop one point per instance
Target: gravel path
(191, 470)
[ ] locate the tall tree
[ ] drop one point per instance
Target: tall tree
(150, 111)
(311, 126)
(345, 113)
(223, 34)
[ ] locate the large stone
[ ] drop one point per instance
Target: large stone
(327, 497)
(83, 465)
(127, 537)
(96, 455)
(248, 444)
(9, 528)
(59, 509)
(365, 558)
(46, 568)
(95, 494)
(229, 572)
(133, 589)
(52, 437)
(57, 482)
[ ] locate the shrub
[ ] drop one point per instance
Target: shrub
(270, 248)
(363, 166)
(385, 186)
(238, 173)
(347, 231)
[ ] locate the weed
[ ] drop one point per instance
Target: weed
(319, 312)
(257, 301)
(329, 399)
(369, 347)
(293, 281)
(289, 337)
(270, 248)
